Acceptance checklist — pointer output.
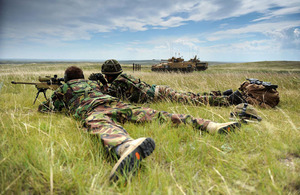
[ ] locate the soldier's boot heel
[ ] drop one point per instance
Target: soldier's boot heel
(222, 128)
(131, 154)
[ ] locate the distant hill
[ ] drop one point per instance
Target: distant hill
(290, 64)
(278, 66)
(142, 62)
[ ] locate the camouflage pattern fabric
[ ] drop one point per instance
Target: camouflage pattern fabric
(102, 114)
(165, 93)
(127, 87)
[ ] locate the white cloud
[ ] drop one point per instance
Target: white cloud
(280, 12)
(297, 32)
(56, 23)
(72, 20)
(267, 28)
(187, 41)
(258, 46)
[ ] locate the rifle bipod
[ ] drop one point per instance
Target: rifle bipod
(38, 93)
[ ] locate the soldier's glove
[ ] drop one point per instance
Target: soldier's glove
(98, 77)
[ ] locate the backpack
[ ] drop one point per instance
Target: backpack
(260, 93)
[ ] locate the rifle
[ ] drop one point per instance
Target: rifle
(45, 83)
(265, 84)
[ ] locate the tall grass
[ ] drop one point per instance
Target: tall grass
(51, 154)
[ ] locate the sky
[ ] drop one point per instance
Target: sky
(214, 30)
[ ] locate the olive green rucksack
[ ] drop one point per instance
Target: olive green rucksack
(260, 93)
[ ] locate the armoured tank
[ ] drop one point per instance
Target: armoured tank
(200, 66)
(178, 64)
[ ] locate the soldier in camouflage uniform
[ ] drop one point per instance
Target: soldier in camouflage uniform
(126, 87)
(102, 114)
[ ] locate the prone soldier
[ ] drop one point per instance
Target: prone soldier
(102, 114)
(127, 87)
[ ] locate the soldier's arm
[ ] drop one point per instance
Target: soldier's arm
(100, 79)
(54, 103)
(93, 76)
(124, 88)
(112, 90)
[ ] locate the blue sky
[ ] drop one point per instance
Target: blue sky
(214, 30)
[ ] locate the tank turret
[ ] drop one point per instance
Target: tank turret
(178, 64)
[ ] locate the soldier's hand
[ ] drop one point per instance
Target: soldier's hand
(98, 77)
(93, 77)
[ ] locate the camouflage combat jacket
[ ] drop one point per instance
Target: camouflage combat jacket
(79, 97)
(127, 87)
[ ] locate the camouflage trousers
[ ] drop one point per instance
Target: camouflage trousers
(166, 93)
(104, 121)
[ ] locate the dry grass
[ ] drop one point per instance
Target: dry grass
(50, 154)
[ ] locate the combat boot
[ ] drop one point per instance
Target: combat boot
(227, 92)
(222, 128)
(130, 155)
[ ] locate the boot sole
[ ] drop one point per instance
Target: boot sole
(229, 128)
(130, 161)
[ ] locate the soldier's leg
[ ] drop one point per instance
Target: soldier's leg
(131, 113)
(127, 112)
(167, 93)
(110, 133)
(129, 152)
(211, 100)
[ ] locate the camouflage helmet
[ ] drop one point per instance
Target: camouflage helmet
(111, 67)
(245, 111)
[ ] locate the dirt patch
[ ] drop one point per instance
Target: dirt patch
(294, 187)
(289, 160)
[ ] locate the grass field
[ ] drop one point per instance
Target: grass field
(50, 154)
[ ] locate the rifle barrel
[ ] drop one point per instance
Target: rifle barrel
(14, 82)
